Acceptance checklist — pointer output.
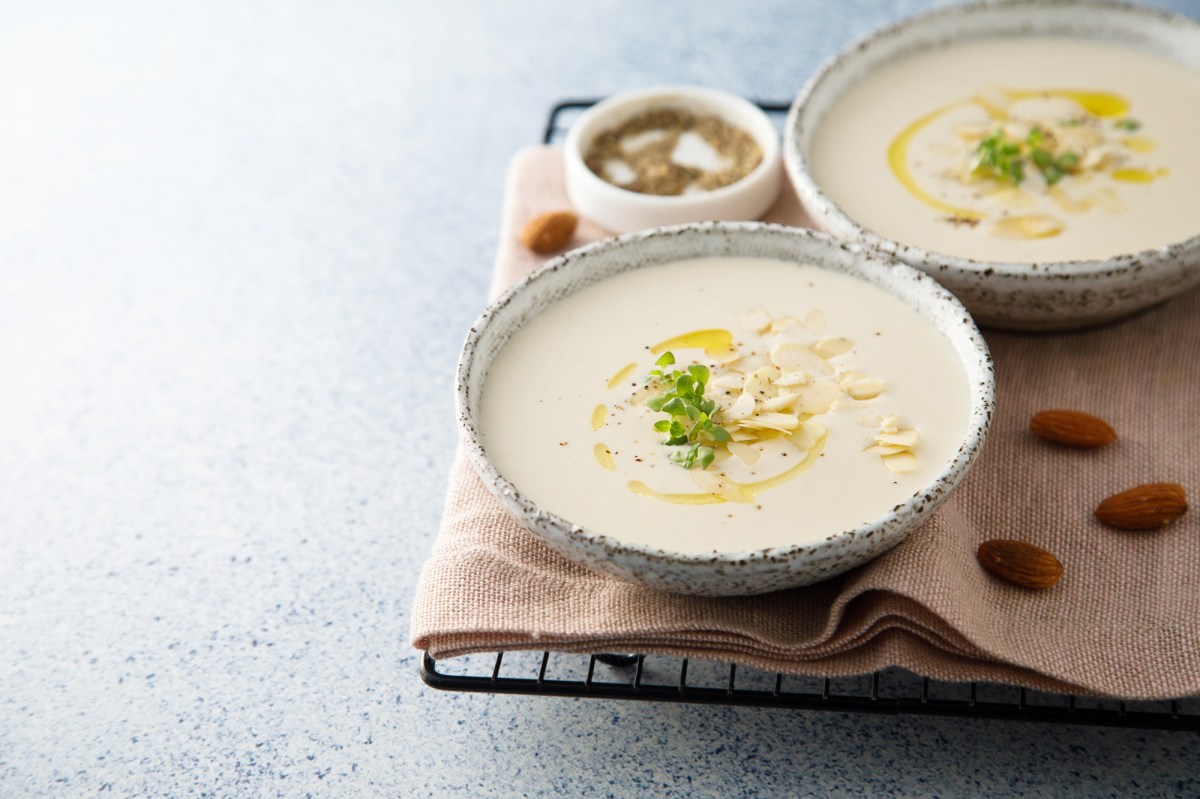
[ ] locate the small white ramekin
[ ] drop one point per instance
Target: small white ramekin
(625, 211)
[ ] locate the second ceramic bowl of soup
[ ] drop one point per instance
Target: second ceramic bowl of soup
(1036, 158)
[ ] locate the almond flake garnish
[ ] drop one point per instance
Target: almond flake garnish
(764, 396)
(743, 407)
(905, 438)
(779, 403)
(865, 389)
(754, 321)
(816, 398)
(901, 462)
(792, 379)
(744, 452)
(833, 347)
(792, 356)
(895, 446)
(785, 323)
(772, 421)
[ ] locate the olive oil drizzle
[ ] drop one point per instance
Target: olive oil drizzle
(624, 372)
(746, 492)
(715, 343)
(1099, 104)
(604, 456)
(898, 159)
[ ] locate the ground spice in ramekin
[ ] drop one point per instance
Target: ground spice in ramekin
(654, 170)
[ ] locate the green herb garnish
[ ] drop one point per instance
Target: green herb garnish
(1004, 159)
(999, 158)
(690, 421)
(1127, 124)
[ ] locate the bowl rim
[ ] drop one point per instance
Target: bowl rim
(772, 149)
(830, 215)
(919, 505)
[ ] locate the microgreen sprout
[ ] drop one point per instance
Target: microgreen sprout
(690, 423)
(1127, 124)
(999, 158)
(1004, 159)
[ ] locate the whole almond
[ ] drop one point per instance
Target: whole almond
(1024, 564)
(1072, 428)
(1144, 507)
(549, 232)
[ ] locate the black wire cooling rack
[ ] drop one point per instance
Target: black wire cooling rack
(662, 678)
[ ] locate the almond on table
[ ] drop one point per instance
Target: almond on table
(1144, 507)
(1020, 563)
(549, 232)
(1072, 428)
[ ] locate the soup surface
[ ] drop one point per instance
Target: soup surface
(817, 403)
(1027, 149)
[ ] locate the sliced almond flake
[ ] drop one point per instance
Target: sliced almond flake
(792, 379)
(760, 384)
(815, 320)
(867, 388)
(728, 357)
(849, 376)
(1027, 226)
(833, 347)
(808, 435)
(741, 408)
(792, 356)
(885, 449)
(772, 421)
(742, 436)
(728, 380)
(816, 397)
(1067, 202)
(755, 321)
(778, 403)
(785, 323)
(905, 438)
(750, 363)
(890, 424)
(1109, 200)
(743, 452)
(901, 462)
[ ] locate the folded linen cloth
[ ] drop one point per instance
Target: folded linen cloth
(1124, 621)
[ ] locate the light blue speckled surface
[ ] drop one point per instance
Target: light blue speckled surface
(240, 244)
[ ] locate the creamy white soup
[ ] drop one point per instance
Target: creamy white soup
(1027, 149)
(724, 404)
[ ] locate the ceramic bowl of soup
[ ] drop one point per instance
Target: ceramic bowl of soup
(1037, 158)
(723, 408)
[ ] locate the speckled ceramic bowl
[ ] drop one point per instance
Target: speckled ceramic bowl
(1019, 296)
(721, 573)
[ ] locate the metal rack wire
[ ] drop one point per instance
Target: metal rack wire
(890, 692)
(666, 679)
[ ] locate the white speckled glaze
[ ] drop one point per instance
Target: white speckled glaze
(1018, 296)
(722, 573)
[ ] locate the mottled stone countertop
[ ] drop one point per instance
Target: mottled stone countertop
(240, 244)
